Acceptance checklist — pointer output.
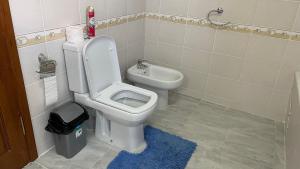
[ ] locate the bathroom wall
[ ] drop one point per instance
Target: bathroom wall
(39, 28)
(240, 67)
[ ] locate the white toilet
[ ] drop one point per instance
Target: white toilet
(121, 109)
(155, 78)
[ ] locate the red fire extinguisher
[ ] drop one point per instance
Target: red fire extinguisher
(90, 22)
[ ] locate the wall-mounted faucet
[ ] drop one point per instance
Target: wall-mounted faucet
(141, 65)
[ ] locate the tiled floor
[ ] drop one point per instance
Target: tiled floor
(227, 139)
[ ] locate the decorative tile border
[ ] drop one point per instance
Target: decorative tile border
(50, 35)
(275, 33)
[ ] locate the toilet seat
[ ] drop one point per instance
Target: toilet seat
(132, 92)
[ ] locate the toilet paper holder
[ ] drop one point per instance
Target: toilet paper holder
(47, 66)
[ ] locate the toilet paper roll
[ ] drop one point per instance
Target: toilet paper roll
(51, 95)
(74, 34)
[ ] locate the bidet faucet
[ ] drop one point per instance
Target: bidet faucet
(141, 65)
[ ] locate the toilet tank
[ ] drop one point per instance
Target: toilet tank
(75, 68)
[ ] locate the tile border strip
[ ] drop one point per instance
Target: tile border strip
(55, 34)
(263, 31)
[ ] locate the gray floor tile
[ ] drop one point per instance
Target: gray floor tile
(226, 138)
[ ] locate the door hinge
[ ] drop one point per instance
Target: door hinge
(22, 124)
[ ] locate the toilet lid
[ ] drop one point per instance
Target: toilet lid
(101, 64)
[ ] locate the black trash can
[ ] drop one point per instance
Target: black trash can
(68, 125)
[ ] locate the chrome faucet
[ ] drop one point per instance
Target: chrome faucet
(141, 65)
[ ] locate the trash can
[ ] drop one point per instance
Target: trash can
(67, 123)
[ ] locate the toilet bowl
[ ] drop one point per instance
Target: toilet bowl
(121, 109)
(156, 78)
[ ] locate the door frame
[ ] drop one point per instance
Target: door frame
(17, 74)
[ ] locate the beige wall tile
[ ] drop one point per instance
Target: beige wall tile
(152, 6)
(29, 19)
(254, 99)
(117, 32)
(226, 66)
(171, 33)
(116, 8)
(296, 26)
(200, 8)
(174, 7)
(238, 11)
(135, 6)
(276, 14)
(29, 62)
(259, 72)
(231, 43)
(196, 60)
(168, 54)
(291, 64)
(277, 108)
(194, 83)
(135, 31)
(56, 14)
(199, 37)
(222, 90)
(151, 29)
(266, 49)
(151, 50)
(135, 51)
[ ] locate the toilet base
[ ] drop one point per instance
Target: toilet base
(163, 95)
(126, 138)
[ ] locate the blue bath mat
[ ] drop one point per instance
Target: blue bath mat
(164, 151)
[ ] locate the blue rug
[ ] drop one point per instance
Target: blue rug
(164, 151)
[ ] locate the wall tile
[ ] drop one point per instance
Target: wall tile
(57, 15)
(117, 32)
(263, 60)
(135, 51)
(116, 8)
(196, 60)
(226, 66)
(266, 49)
(29, 62)
(151, 29)
(99, 6)
(193, 84)
(44, 139)
(174, 7)
(152, 5)
(296, 26)
(35, 96)
(135, 31)
(26, 20)
(291, 64)
(55, 51)
(254, 99)
(222, 90)
(276, 14)
(199, 37)
(277, 108)
(122, 54)
(238, 11)
(200, 8)
(171, 33)
(151, 50)
(135, 6)
(169, 54)
(231, 43)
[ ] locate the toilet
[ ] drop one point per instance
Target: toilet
(121, 109)
(155, 78)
